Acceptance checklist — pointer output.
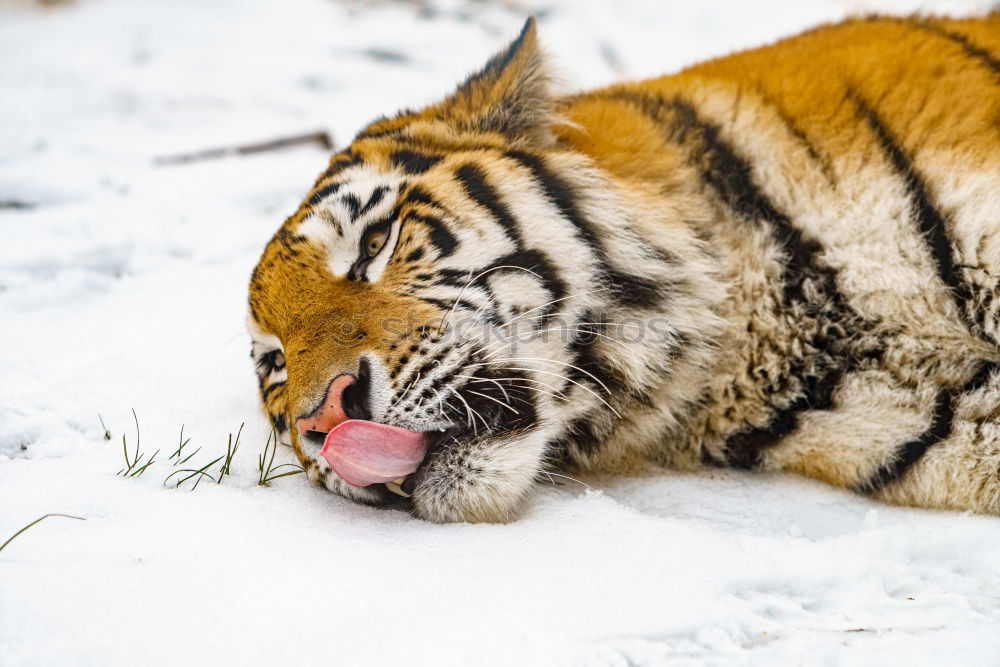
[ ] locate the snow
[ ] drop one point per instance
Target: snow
(122, 285)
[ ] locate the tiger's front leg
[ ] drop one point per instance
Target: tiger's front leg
(485, 478)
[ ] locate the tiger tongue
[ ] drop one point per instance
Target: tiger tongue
(365, 453)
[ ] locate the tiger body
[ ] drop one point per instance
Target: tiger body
(784, 259)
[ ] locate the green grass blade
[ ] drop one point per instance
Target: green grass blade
(188, 458)
(199, 472)
(181, 442)
(284, 474)
(38, 520)
(150, 462)
(136, 418)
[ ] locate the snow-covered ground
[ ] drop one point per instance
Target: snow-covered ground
(122, 285)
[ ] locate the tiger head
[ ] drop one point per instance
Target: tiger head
(458, 272)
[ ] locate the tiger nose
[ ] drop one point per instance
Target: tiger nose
(332, 411)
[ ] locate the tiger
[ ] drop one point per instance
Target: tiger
(784, 259)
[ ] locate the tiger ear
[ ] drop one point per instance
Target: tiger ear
(509, 95)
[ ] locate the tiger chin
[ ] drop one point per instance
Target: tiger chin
(787, 259)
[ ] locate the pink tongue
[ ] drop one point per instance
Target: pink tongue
(364, 452)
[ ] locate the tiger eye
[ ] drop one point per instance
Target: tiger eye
(279, 360)
(375, 241)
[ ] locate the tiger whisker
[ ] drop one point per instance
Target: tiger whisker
(552, 315)
(554, 393)
(549, 361)
(444, 320)
(511, 380)
(572, 479)
(481, 309)
(563, 326)
(405, 391)
(571, 381)
(440, 404)
(471, 413)
(573, 324)
(495, 400)
(472, 377)
(520, 316)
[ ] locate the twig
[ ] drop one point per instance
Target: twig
(39, 519)
(320, 137)
(16, 204)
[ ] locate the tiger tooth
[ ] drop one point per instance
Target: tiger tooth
(395, 486)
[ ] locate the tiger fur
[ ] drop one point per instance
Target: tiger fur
(787, 259)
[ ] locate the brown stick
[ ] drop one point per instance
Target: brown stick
(320, 137)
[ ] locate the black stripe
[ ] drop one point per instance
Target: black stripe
(341, 162)
(414, 163)
(799, 135)
(982, 376)
(324, 192)
(730, 177)
(972, 50)
(280, 425)
(562, 195)
(377, 195)
(454, 277)
(587, 333)
(478, 190)
(268, 390)
(418, 195)
(416, 255)
(633, 291)
(932, 226)
(580, 432)
(447, 305)
(942, 423)
(538, 263)
(746, 448)
(912, 451)
(980, 301)
(628, 289)
(439, 234)
(353, 203)
(593, 369)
